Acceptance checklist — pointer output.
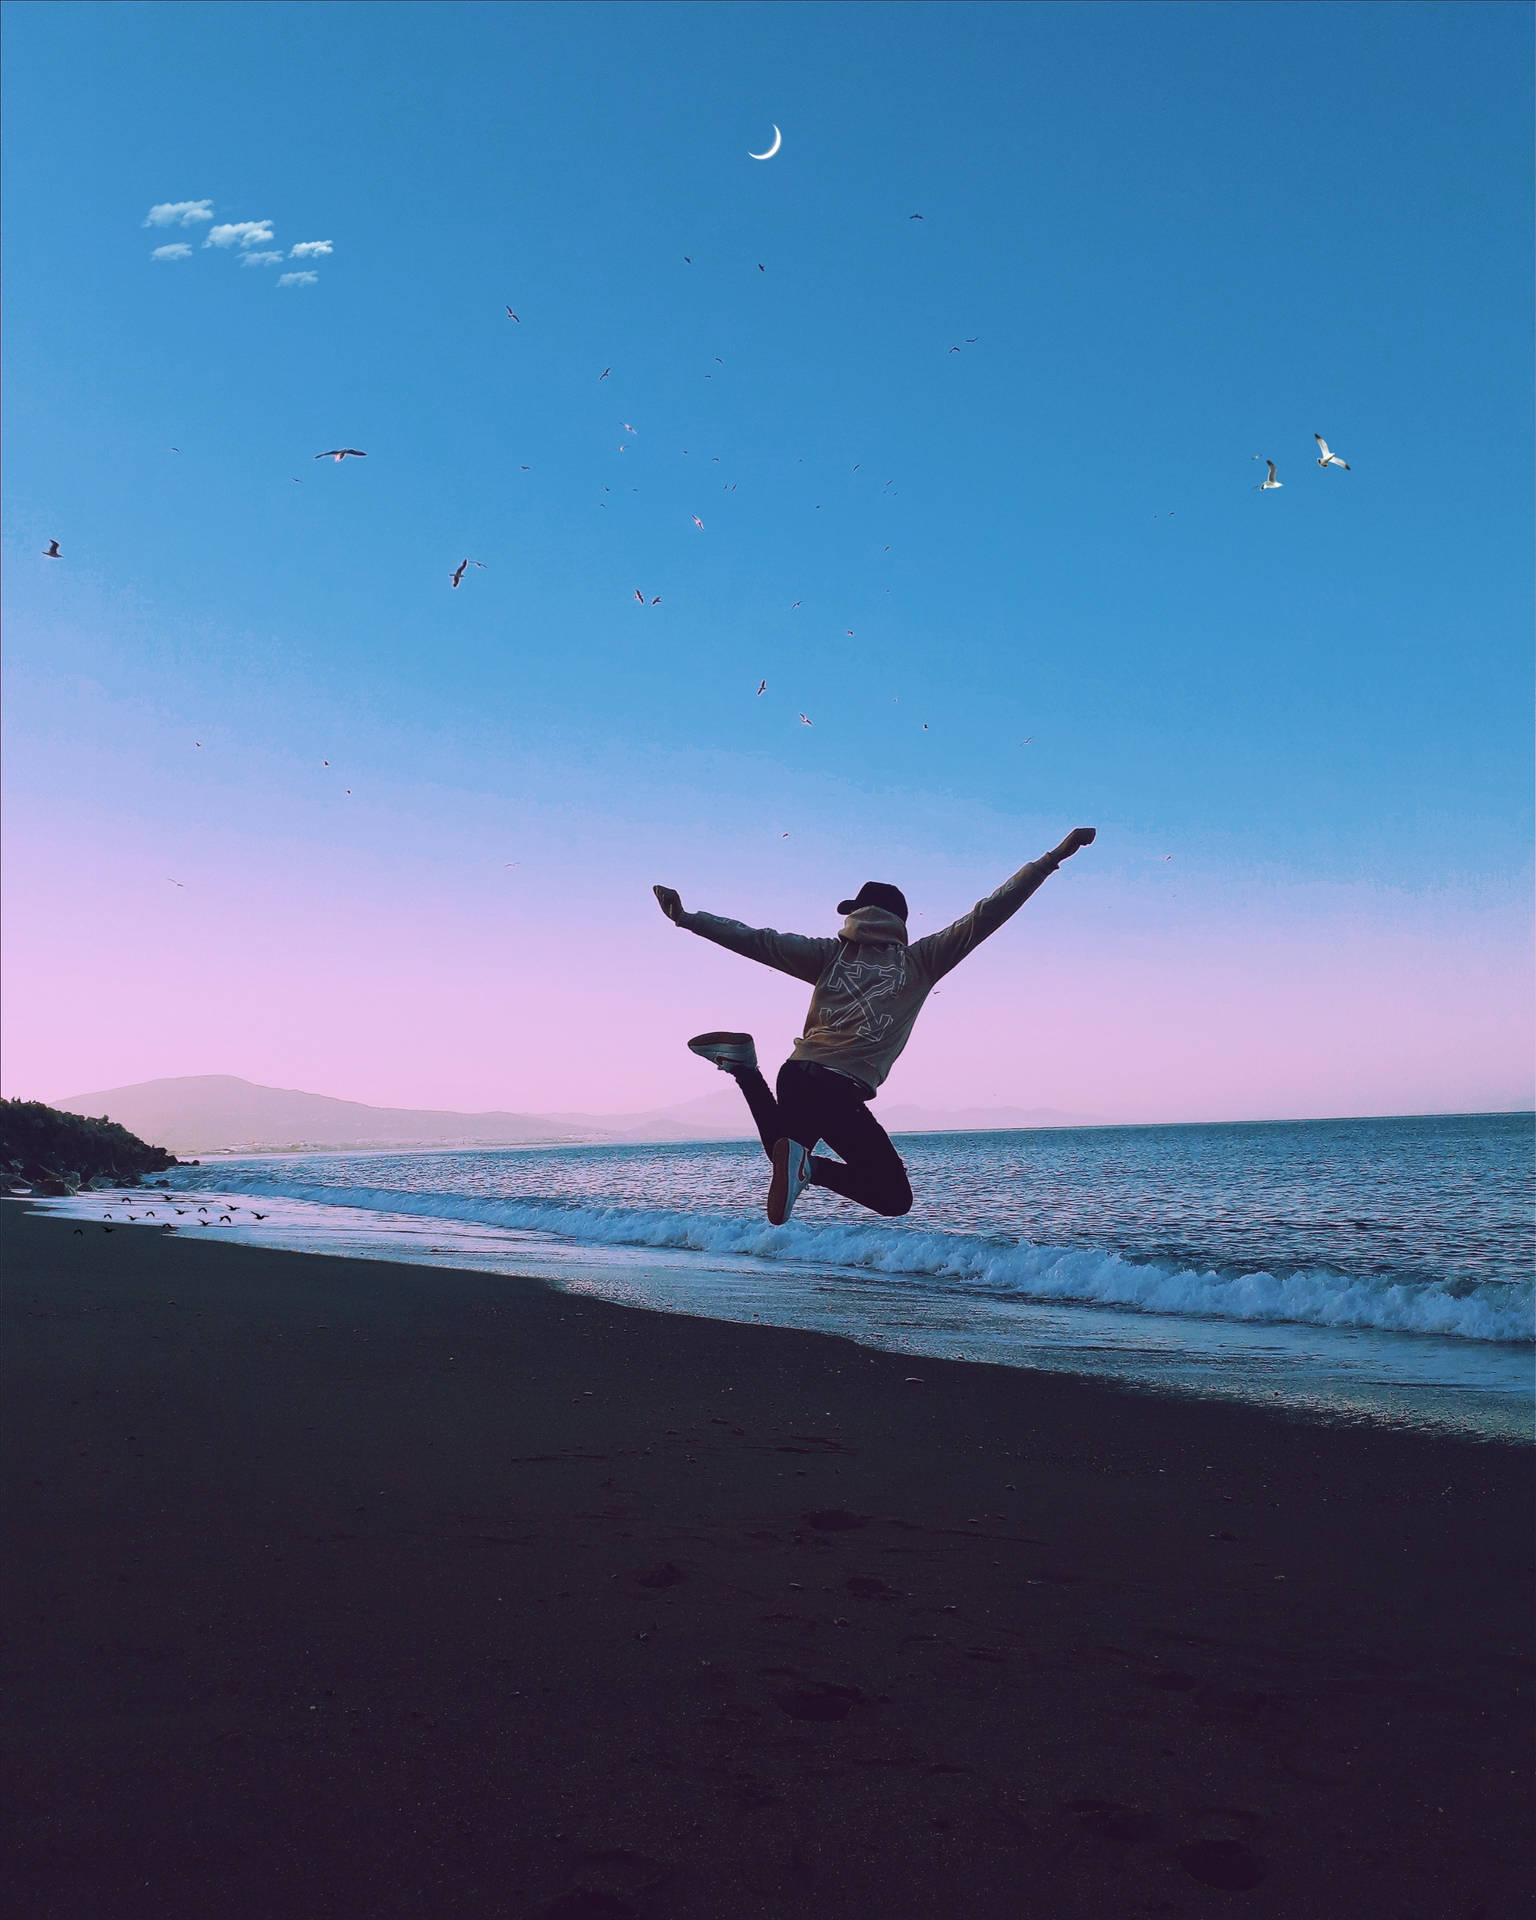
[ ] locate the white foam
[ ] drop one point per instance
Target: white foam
(1490, 1310)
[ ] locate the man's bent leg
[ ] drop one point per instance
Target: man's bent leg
(822, 1106)
(871, 1170)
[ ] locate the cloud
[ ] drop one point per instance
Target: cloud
(297, 279)
(261, 259)
(309, 250)
(179, 250)
(240, 233)
(179, 213)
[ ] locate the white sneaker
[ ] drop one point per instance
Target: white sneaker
(731, 1052)
(791, 1177)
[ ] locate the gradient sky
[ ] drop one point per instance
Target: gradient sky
(1178, 236)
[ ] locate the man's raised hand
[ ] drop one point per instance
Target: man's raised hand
(1078, 837)
(670, 903)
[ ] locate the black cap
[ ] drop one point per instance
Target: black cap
(875, 893)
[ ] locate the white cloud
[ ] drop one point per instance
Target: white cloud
(179, 213)
(260, 259)
(240, 233)
(309, 250)
(297, 279)
(179, 250)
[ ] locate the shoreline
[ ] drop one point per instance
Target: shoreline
(352, 1586)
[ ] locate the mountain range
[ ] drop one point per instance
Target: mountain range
(219, 1113)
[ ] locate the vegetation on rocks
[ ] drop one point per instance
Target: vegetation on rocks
(57, 1152)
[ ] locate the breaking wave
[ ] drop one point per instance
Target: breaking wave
(1489, 1310)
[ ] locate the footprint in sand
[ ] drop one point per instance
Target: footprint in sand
(1227, 1864)
(866, 1586)
(835, 1520)
(668, 1574)
(820, 1700)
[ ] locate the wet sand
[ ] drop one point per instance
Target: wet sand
(341, 1587)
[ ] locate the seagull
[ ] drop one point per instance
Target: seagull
(512, 316)
(605, 373)
(52, 551)
(175, 449)
(806, 723)
(914, 216)
(338, 454)
(176, 883)
(793, 604)
(762, 686)
(1265, 484)
(458, 573)
(640, 596)
(628, 428)
(657, 601)
(1325, 458)
(697, 522)
(259, 1216)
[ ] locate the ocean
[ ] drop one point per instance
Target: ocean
(1371, 1269)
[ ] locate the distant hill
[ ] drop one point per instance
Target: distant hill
(219, 1113)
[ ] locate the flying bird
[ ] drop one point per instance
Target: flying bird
(914, 216)
(52, 551)
(512, 316)
(1325, 458)
(697, 522)
(793, 605)
(806, 723)
(1269, 481)
(458, 572)
(176, 883)
(338, 454)
(762, 686)
(657, 601)
(605, 373)
(761, 268)
(175, 449)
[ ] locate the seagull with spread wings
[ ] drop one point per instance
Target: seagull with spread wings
(52, 551)
(338, 454)
(1325, 458)
(1269, 480)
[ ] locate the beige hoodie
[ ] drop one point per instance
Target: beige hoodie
(869, 982)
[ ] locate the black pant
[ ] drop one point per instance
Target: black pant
(814, 1103)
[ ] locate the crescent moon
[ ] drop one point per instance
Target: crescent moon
(777, 137)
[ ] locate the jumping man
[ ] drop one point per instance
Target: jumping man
(869, 986)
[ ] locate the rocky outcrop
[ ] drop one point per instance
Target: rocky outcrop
(57, 1153)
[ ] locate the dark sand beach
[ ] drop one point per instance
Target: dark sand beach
(349, 1588)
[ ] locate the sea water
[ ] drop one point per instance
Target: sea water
(1373, 1269)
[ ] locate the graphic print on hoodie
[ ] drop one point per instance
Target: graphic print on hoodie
(870, 983)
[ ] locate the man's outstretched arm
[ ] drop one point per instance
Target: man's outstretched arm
(938, 952)
(791, 953)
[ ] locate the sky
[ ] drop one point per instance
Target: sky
(281, 802)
